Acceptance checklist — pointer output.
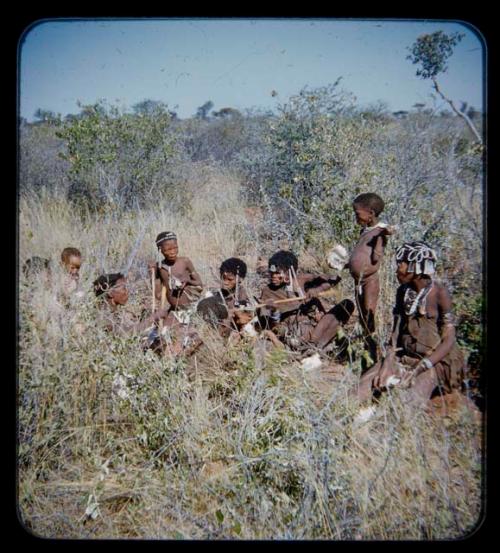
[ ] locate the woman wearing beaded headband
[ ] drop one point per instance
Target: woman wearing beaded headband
(423, 354)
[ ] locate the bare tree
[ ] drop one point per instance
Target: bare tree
(431, 52)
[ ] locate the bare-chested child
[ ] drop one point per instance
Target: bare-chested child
(423, 354)
(232, 275)
(242, 317)
(365, 261)
(179, 277)
(293, 309)
(219, 308)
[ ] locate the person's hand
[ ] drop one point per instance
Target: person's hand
(310, 294)
(423, 365)
(178, 284)
(152, 265)
(388, 229)
(387, 369)
(407, 379)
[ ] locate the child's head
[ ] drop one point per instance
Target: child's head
(212, 310)
(280, 264)
(242, 317)
(415, 259)
(72, 260)
(230, 271)
(166, 242)
(367, 207)
(114, 286)
(35, 266)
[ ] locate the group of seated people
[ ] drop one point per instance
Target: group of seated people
(294, 310)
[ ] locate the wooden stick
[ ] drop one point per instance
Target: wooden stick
(153, 271)
(324, 294)
(162, 302)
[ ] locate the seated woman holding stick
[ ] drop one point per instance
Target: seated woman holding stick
(423, 354)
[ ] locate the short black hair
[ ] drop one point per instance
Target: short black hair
(104, 282)
(283, 260)
(35, 265)
(370, 200)
(234, 266)
(212, 310)
(68, 252)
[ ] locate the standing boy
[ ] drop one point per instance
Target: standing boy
(365, 261)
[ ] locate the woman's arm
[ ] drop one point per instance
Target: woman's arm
(446, 326)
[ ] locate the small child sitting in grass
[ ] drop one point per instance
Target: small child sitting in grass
(112, 289)
(71, 260)
(232, 293)
(232, 274)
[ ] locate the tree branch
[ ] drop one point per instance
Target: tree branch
(464, 116)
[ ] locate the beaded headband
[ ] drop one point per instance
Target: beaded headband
(420, 257)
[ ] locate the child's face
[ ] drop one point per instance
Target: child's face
(169, 249)
(241, 318)
(279, 277)
(364, 216)
(73, 265)
(119, 292)
(228, 281)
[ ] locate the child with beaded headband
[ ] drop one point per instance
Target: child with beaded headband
(178, 276)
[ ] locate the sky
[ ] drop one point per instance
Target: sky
(235, 62)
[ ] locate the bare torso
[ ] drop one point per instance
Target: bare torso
(367, 254)
(182, 282)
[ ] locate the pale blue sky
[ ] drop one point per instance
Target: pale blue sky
(234, 63)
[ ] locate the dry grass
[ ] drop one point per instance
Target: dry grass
(239, 443)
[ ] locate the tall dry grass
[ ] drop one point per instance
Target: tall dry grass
(238, 442)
